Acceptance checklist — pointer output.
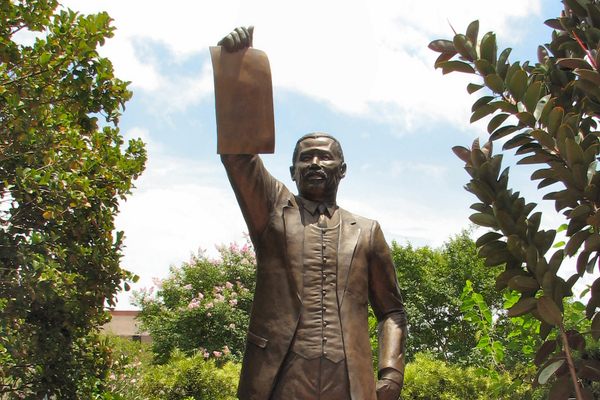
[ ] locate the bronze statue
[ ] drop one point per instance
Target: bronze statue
(318, 267)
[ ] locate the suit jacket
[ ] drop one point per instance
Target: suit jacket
(365, 274)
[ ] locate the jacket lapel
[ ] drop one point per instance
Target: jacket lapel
(294, 237)
(349, 233)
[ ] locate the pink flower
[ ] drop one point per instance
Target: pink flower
(219, 297)
(209, 314)
(229, 285)
(188, 287)
(217, 353)
(205, 353)
(233, 302)
(193, 304)
(209, 305)
(157, 282)
(231, 326)
(226, 350)
(200, 296)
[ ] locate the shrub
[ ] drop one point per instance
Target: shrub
(186, 378)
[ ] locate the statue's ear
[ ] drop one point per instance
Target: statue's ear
(292, 173)
(343, 170)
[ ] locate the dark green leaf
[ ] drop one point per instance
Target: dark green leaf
(494, 82)
(442, 46)
(488, 48)
(518, 84)
(573, 63)
(549, 311)
(473, 32)
(472, 88)
(456, 66)
(576, 7)
(496, 121)
(523, 306)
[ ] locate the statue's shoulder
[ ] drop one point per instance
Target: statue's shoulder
(362, 222)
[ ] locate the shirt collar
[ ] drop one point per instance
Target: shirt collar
(311, 206)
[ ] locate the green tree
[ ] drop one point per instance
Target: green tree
(549, 113)
(203, 306)
(63, 169)
(432, 282)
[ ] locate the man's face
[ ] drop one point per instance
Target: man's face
(318, 169)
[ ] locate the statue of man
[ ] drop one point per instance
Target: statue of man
(318, 268)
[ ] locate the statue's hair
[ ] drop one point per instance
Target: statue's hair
(313, 135)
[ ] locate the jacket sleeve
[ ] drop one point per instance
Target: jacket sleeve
(254, 187)
(385, 298)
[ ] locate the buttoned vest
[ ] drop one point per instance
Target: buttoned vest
(319, 332)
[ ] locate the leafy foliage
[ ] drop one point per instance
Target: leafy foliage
(194, 377)
(429, 378)
(202, 306)
(433, 280)
(549, 113)
(61, 176)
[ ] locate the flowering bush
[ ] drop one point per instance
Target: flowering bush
(203, 306)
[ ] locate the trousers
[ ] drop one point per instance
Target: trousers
(316, 379)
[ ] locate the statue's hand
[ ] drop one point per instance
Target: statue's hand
(388, 390)
(238, 39)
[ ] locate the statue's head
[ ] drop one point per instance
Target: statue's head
(318, 166)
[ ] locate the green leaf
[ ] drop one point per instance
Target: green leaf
(547, 348)
(488, 48)
(549, 311)
(532, 96)
(472, 88)
(442, 46)
(588, 75)
(494, 82)
(482, 111)
(576, 7)
(573, 63)
(456, 66)
(517, 85)
(463, 153)
(549, 370)
(523, 306)
(487, 238)
(496, 121)
(473, 31)
(523, 284)
(45, 58)
(482, 219)
(555, 120)
(464, 47)
(596, 326)
(504, 131)
(575, 242)
(543, 138)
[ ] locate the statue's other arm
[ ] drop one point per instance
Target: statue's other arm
(385, 298)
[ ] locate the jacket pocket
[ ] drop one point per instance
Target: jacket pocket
(257, 340)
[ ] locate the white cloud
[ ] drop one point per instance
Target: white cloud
(360, 57)
(178, 207)
(399, 168)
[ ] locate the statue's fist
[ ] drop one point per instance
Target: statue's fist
(388, 390)
(238, 39)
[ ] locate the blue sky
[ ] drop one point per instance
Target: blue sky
(359, 70)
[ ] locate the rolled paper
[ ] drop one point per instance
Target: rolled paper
(243, 101)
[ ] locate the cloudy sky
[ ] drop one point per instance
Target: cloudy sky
(360, 70)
